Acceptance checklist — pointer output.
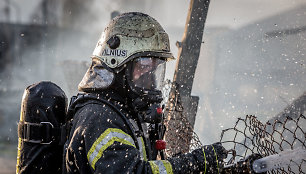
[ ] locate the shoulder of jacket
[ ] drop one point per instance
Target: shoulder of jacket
(99, 110)
(84, 100)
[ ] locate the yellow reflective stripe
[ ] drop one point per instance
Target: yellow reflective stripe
(19, 145)
(161, 167)
(154, 167)
(140, 148)
(168, 166)
(18, 155)
(144, 150)
(106, 139)
(204, 159)
(216, 157)
(109, 143)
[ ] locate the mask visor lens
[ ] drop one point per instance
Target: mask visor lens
(148, 73)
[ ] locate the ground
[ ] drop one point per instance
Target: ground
(7, 166)
(8, 158)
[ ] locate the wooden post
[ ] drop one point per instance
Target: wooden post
(182, 107)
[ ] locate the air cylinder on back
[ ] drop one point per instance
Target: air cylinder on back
(41, 129)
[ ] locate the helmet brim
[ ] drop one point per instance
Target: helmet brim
(167, 56)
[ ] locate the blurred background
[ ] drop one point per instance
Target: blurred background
(252, 59)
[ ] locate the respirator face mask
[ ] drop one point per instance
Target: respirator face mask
(146, 78)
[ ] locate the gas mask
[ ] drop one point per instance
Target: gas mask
(145, 76)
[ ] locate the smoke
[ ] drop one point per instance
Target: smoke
(61, 53)
(257, 69)
(57, 47)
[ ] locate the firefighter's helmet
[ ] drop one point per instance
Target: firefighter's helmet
(129, 36)
(132, 41)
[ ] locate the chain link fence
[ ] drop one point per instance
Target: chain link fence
(178, 127)
(179, 130)
(250, 136)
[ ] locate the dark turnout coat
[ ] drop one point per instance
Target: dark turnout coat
(108, 138)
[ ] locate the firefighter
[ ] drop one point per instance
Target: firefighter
(119, 102)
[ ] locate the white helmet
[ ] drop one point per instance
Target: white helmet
(129, 37)
(132, 35)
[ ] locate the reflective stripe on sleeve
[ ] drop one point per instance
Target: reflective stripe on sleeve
(161, 167)
(204, 160)
(216, 158)
(106, 139)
